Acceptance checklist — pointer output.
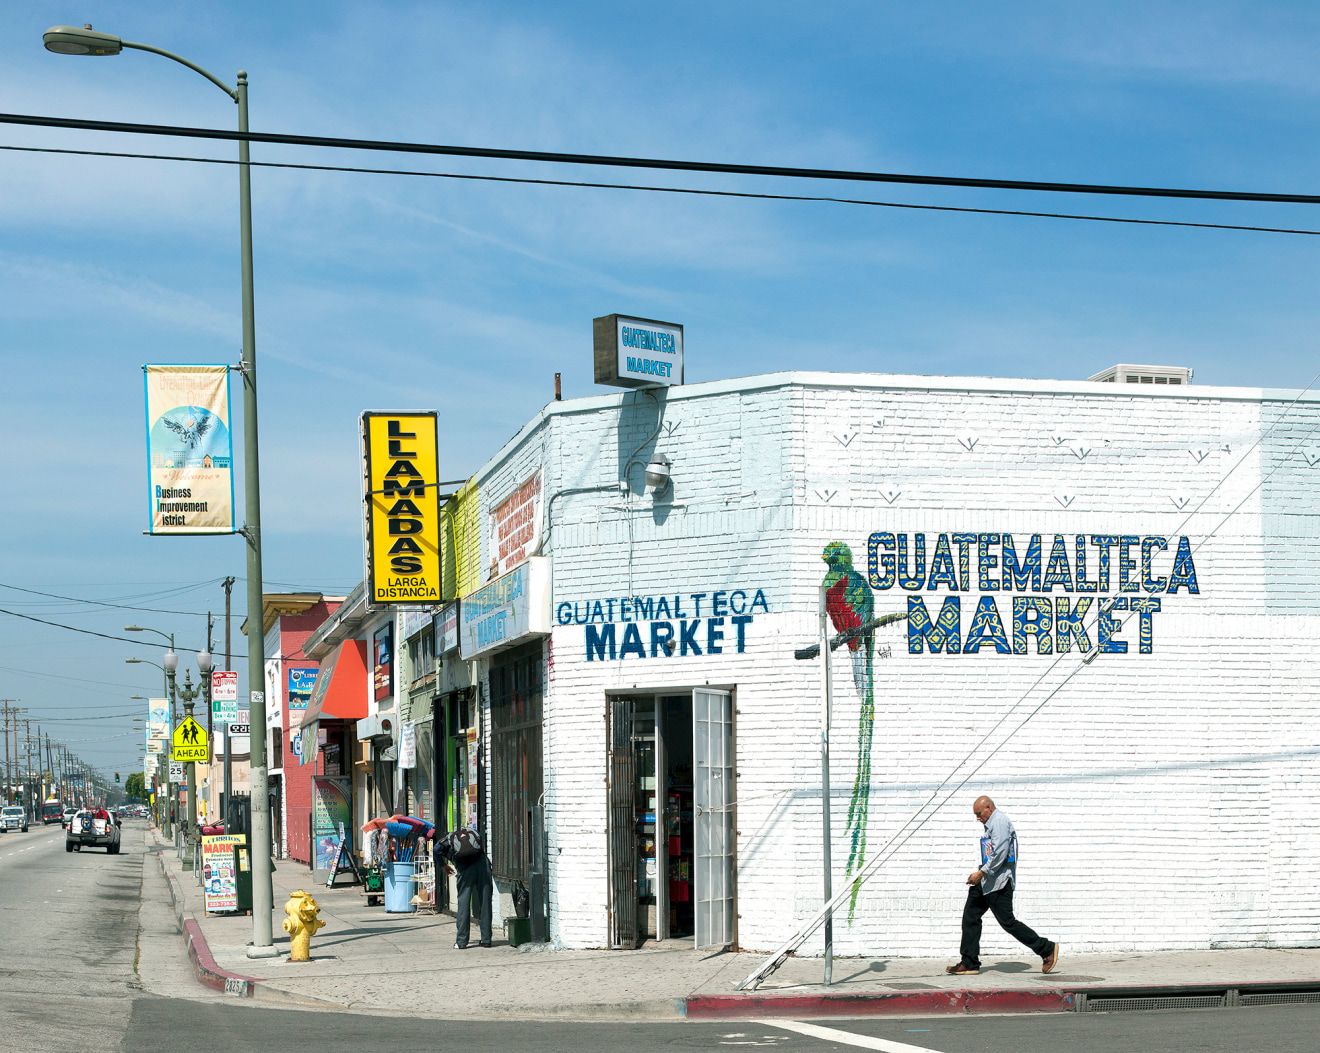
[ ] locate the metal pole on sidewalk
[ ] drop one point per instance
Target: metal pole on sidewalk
(826, 686)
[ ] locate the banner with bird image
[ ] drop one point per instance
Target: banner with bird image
(190, 452)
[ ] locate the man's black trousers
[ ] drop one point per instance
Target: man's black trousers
(1001, 905)
(473, 880)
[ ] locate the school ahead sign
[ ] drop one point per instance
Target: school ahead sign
(190, 743)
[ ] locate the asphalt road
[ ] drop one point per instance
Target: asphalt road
(90, 962)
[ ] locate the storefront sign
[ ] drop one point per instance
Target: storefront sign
(674, 625)
(446, 629)
(301, 683)
(412, 622)
(219, 874)
(507, 610)
(331, 813)
(407, 744)
(403, 511)
(382, 650)
(515, 524)
(189, 450)
(1122, 572)
(637, 352)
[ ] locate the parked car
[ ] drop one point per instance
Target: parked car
(13, 817)
(92, 828)
(68, 814)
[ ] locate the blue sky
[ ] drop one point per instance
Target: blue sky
(378, 292)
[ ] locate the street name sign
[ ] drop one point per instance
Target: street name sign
(190, 742)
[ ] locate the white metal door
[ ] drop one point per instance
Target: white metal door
(712, 800)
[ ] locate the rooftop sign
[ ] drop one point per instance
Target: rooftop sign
(637, 352)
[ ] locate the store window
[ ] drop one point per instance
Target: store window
(515, 760)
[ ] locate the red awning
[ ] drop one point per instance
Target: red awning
(341, 686)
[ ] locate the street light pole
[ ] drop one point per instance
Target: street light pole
(70, 40)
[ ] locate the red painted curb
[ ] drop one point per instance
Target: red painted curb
(208, 972)
(723, 1007)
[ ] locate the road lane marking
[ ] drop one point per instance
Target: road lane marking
(847, 1038)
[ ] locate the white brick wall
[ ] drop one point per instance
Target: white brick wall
(1163, 801)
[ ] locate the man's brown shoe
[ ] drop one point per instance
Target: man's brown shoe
(962, 970)
(1050, 960)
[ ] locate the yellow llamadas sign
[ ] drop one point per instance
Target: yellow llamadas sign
(190, 742)
(403, 510)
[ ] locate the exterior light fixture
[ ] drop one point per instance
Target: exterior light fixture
(70, 40)
(657, 474)
(204, 661)
(170, 661)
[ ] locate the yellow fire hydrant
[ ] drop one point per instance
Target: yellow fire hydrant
(301, 922)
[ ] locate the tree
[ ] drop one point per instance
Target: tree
(136, 786)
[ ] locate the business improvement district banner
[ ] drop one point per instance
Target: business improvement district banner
(190, 450)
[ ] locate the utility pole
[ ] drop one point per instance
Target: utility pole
(227, 794)
(27, 759)
(228, 585)
(5, 702)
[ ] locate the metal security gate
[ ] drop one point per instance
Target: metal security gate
(623, 827)
(713, 799)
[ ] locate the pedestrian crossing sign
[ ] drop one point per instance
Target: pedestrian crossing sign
(190, 742)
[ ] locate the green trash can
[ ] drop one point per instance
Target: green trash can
(243, 879)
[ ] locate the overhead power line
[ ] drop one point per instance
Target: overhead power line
(609, 161)
(98, 603)
(695, 191)
(75, 629)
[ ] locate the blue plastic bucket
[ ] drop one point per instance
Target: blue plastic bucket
(399, 888)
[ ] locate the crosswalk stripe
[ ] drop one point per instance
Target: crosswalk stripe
(830, 1034)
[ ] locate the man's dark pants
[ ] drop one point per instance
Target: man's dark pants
(1001, 905)
(473, 879)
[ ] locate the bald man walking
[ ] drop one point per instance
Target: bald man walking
(992, 889)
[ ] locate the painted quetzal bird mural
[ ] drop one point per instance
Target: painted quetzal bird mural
(850, 604)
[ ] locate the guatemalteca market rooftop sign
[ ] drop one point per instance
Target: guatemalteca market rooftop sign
(637, 352)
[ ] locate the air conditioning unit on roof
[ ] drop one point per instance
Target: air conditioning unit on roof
(1129, 374)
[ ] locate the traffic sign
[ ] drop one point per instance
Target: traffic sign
(224, 695)
(176, 771)
(190, 742)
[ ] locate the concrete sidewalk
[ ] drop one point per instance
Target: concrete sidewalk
(366, 959)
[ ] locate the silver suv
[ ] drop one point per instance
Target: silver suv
(13, 817)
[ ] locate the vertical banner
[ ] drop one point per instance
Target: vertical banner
(382, 648)
(331, 813)
(301, 683)
(402, 507)
(190, 450)
(408, 745)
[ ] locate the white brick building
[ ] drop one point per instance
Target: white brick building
(1165, 797)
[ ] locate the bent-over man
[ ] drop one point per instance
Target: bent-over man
(992, 889)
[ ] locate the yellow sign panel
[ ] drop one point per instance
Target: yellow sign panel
(403, 512)
(190, 742)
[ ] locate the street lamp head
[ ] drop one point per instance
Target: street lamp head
(134, 629)
(70, 40)
(204, 661)
(133, 661)
(170, 662)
